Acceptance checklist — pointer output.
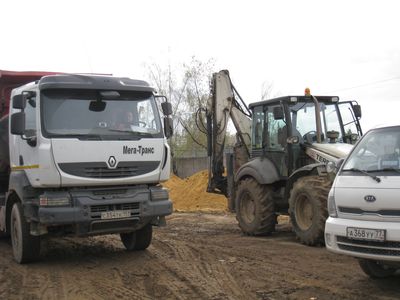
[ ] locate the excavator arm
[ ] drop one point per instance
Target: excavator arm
(223, 105)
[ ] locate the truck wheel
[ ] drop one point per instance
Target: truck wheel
(308, 209)
(26, 247)
(255, 208)
(137, 240)
(374, 269)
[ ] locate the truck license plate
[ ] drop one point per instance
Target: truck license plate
(366, 234)
(115, 214)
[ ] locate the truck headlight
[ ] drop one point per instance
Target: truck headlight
(45, 200)
(332, 205)
(159, 194)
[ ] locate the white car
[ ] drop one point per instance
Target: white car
(364, 204)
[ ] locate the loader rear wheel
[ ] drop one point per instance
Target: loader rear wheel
(255, 208)
(374, 269)
(26, 247)
(138, 240)
(308, 209)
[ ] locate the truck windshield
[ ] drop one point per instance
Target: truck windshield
(379, 150)
(71, 113)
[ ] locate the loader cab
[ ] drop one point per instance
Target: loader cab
(283, 127)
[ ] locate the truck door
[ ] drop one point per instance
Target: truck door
(27, 156)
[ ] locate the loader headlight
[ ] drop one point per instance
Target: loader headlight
(159, 194)
(332, 205)
(46, 200)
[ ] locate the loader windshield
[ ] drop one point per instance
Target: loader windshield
(304, 123)
(85, 114)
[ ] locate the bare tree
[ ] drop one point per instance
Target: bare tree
(187, 88)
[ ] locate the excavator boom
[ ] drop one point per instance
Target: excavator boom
(223, 105)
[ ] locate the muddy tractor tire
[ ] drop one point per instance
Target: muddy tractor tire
(308, 208)
(26, 247)
(255, 208)
(374, 269)
(138, 240)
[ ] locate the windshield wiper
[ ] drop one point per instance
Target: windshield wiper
(79, 136)
(137, 133)
(386, 170)
(377, 179)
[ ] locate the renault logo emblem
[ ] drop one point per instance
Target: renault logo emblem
(370, 198)
(112, 162)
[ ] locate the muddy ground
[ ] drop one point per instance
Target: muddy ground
(197, 256)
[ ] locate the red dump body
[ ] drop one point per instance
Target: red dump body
(12, 79)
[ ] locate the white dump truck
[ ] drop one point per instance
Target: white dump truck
(83, 155)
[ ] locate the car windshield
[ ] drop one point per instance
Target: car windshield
(83, 113)
(379, 150)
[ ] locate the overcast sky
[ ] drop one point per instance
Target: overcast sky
(346, 48)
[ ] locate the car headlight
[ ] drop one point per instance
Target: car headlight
(331, 204)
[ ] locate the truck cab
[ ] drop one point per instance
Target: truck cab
(86, 156)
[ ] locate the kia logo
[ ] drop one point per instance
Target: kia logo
(112, 162)
(370, 198)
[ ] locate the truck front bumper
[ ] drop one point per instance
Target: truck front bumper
(101, 210)
(336, 239)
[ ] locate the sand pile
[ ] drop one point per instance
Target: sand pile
(190, 194)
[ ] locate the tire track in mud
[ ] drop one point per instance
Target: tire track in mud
(195, 257)
(204, 270)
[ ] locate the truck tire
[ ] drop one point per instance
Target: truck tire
(255, 208)
(374, 269)
(138, 240)
(26, 247)
(308, 209)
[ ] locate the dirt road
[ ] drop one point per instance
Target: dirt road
(197, 256)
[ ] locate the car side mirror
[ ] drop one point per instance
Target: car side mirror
(357, 111)
(168, 127)
(18, 123)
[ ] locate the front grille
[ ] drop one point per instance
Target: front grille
(101, 170)
(386, 244)
(370, 250)
(389, 248)
(359, 211)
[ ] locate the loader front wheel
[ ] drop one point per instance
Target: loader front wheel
(255, 208)
(308, 209)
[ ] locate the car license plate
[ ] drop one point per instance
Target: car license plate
(115, 214)
(366, 234)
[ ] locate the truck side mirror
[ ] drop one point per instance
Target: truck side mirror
(18, 101)
(278, 113)
(18, 123)
(168, 127)
(166, 108)
(357, 111)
